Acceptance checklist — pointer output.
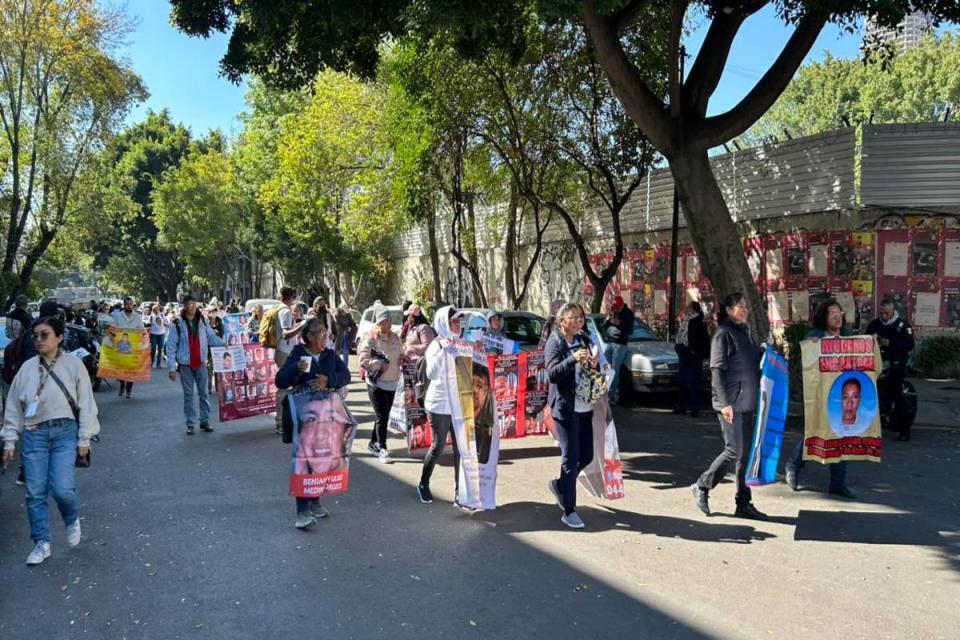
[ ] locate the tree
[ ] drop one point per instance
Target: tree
(288, 41)
(920, 84)
(62, 94)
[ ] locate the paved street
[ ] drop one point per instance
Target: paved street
(192, 537)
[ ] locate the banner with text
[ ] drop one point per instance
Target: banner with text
(250, 391)
(771, 419)
(125, 355)
(323, 436)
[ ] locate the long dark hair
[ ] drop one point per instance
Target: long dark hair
(820, 315)
(731, 300)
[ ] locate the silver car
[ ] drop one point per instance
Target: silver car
(523, 327)
(651, 364)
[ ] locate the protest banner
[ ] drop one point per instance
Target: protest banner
(125, 355)
(228, 359)
(495, 344)
(323, 436)
(472, 410)
(772, 407)
(841, 408)
(250, 391)
(603, 477)
(235, 329)
(533, 372)
(505, 377)
(407, 417)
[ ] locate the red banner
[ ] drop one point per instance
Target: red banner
(251, 392)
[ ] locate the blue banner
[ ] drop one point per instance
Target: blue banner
(771, 419)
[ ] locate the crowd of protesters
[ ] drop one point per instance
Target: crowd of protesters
(50, 408)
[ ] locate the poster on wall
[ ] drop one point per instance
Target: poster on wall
(818, 260)
(863, 303)
(951, 253)
(795, 256)
(799, 306)
(951, 307)
(925, 257)
(841, 258)
(691, 268)
(895, 259)
(926, 308)
(863, 252)
(773, 257)
(778, 308)
(753, 249)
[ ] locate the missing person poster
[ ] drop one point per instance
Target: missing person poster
(323, 436)
(603, 477)
(407, 417)
(250, 391)
(505, 374)
(235, 329)
(842, 417)
(771, 419)
(536, 384)
(125, 355)
(473, 410)
(228, 359)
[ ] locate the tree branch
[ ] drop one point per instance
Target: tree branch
(628, 14)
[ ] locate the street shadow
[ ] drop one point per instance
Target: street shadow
(876, 528)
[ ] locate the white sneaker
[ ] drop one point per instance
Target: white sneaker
(318, 511)
(73, 533)
(572, 520)
(40, 553)
(305, 520)
(384, 456)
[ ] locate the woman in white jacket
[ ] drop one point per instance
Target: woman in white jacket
(51, 403)
(446, 323)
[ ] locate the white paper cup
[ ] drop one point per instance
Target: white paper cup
(307, 359)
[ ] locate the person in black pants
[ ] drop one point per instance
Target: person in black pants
(735, 369)
(693, 345)
(895, 336)
(567, 353)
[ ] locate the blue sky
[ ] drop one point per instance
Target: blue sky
(182, 73)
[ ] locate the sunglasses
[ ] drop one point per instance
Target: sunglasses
(43, 335)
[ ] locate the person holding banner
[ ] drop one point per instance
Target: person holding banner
(570, 355)
(437, 401)
(827, 323)
(253, 324)
(313, 364)
(735, 369)
(126, 319)
(158, 332)
(188, 348)
(380, 353)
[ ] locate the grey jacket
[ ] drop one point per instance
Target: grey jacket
(735, 368)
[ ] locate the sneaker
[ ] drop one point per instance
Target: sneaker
(190, 430)
(40, 553)
(572, 520)
(749, 512)
(129, 396)
(843, 492)
(791, 478)
(373, 448)
(457, 505)
(73, 533)
(318, 511)
(384, 457)
(21, 477)
(205, 427)
(424, 492)
(554, 487)
(702, 498)
(305, 520)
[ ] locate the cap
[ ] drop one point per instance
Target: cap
(413, 310)
(380, 314)
(455, 313)
(618, 301)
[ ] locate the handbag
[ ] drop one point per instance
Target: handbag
(81, 461)
(591, 385)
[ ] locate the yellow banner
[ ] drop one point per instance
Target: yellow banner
(125, 355)
(841, 404)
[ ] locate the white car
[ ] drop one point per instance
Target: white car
(366, 321)
(266, 302)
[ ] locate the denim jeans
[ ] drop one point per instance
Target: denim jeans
(49, 454)
(345, 349)
(303, 504)
(188, 378)
(838, 470)
(615, 355)
(576, 452)
(156, 348)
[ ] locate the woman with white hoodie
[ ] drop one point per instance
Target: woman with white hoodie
(437, 400)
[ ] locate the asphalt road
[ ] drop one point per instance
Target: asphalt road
(193, 537)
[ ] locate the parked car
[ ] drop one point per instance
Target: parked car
(266, 302)
(523, 327)
(366, 323)
(651, 364)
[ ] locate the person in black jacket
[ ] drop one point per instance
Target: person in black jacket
(693, 345)
(617, 329)
(735, 369)
(895, 336)
(568, 351)
(324, 372)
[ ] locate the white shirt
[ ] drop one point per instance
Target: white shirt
(284, 324)
(122, 321)
(158, 324)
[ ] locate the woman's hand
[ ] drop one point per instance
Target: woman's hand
(320, 383)
(582, 355)
(7, 455)
(727, 413)
(83, 452)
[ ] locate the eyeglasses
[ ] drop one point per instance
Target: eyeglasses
(43, 335)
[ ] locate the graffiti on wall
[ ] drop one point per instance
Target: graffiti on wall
(560, 272)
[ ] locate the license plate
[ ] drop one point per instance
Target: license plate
(663, 381)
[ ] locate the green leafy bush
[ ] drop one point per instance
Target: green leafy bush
(938, 356)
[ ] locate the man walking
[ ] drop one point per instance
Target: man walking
(346, 332)
(693, 345)
(617, 328)
(895, 336)
(126, 319)
(188, 347)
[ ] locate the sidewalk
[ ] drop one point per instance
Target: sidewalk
(939, 403)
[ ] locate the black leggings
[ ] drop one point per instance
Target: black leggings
(382, 400)
(441, 424)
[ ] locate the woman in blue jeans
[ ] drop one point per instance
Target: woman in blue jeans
(51, 404)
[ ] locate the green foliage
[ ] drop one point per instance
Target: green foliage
(938, 356)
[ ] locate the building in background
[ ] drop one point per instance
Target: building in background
(904, 36)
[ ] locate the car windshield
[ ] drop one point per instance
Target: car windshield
(523, 329)
(641, 333)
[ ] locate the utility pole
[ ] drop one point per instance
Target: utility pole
(672, 310)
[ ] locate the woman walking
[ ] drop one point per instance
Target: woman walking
(51, 403)
(380, 353)
(437, 402)
(570, 357)
(419, 334)
(324, 372)
(253, 324)
(158, 333)
(735, 369)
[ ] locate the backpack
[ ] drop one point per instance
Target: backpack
(14, 355)
(269, 334)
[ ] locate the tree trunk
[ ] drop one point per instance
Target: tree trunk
(434, 254)
(715, 235)
(510, 251)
